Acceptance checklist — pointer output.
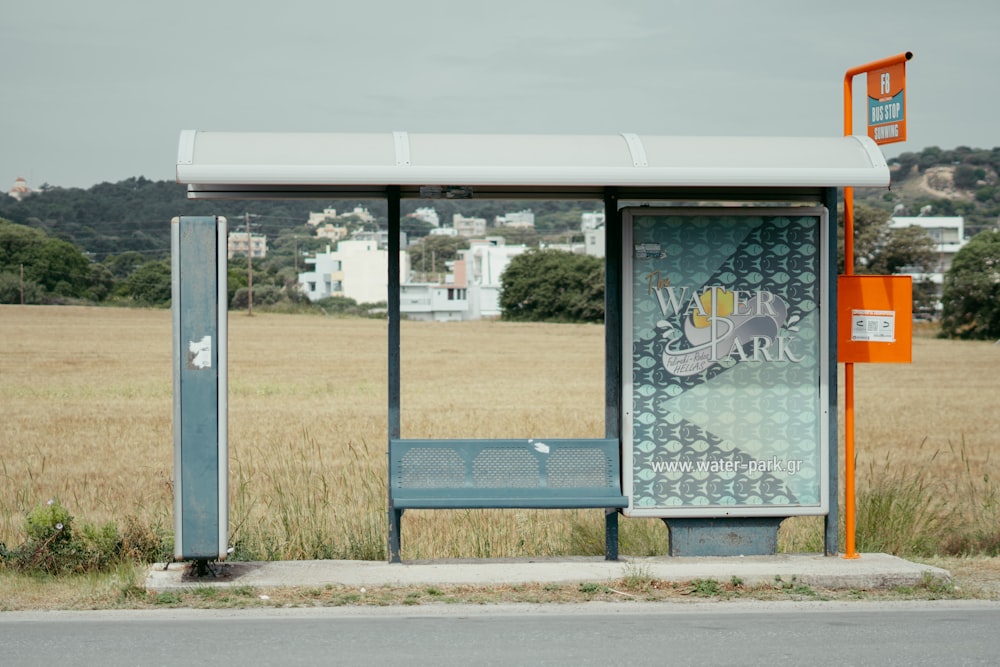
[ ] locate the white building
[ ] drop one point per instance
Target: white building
(360, 213)
(439, 302)
(591, 220)
(593, 241)
(428, 215)
(575, 248)
(331, 232)
(433, 302)
(470, 292)
(468, 227)
(20, 189)
(241, 243)
(325, 215)
(523, 219)
(948, 234)
(381, 237)
(329, 214)
(485, 261)
(356, 269)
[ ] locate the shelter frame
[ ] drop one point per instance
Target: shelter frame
(628, 170)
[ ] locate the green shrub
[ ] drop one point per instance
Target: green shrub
(50, 521)
(54, 547)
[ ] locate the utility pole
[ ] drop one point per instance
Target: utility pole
(22, 284)
(246, 219)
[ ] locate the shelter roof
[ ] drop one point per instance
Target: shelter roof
(247, 164)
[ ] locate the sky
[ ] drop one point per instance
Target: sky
(100, 90)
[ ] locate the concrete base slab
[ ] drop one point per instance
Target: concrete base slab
(870, 571)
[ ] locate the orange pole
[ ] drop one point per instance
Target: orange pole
(849, 501)
(849, 528)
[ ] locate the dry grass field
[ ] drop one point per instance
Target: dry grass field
(86, 404)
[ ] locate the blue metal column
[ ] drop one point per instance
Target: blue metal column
(612, 349)
(831, 522)
(199, 295)
(395, 516)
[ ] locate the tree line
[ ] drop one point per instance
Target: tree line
(134, 215)
(110, 244)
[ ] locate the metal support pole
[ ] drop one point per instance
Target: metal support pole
(392, 195)
(612, 349)
(831, 523)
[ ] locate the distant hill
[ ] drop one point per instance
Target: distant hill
(134, 214)
(963, 181)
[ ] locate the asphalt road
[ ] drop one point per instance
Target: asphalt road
(718, 633)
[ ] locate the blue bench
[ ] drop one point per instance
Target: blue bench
(528, 474)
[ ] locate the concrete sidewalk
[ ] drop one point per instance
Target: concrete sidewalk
(870, 571)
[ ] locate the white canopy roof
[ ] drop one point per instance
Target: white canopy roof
(246, 164)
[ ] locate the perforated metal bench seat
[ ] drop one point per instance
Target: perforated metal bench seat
(530, 474)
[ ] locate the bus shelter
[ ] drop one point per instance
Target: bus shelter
(720, 294)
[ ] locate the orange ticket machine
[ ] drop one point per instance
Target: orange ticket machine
(874, 319)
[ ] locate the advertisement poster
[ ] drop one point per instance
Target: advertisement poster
(725, 361)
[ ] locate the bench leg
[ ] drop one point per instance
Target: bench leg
(611, 534)
(395, 523)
